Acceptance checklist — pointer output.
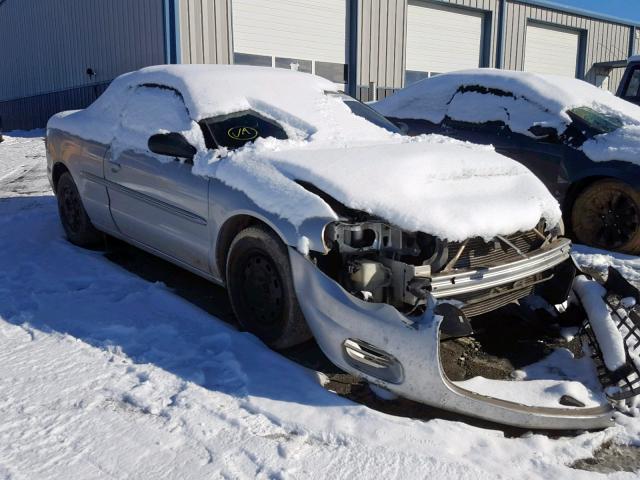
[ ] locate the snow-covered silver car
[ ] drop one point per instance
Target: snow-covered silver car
(321, 219)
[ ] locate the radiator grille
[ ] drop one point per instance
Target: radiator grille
(483, 301)
(484, 306)
(479, 253)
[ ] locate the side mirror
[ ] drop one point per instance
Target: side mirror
(172, 145)
(548, 134)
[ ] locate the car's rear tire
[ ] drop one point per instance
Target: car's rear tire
(606, 214)
(75, 221)
(260, 287)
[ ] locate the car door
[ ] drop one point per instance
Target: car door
(544, 156)
(156, 200)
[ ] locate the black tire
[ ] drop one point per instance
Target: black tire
(606, 214)
(260, 288)
(75, 221)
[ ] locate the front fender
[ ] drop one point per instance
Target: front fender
(227, 204)
(626, 172)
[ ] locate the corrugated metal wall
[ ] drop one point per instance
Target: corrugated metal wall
(381, 45)
(205, 31)
(57, 40)
(48, 45)
(382, 37)
(605, 41)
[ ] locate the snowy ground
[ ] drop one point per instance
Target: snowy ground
(106, 375)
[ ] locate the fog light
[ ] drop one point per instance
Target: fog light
(372, 361)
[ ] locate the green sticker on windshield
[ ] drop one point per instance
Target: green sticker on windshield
(243, 133)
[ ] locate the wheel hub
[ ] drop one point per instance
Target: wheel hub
(262, 288)
(614, 219)
(71, 209)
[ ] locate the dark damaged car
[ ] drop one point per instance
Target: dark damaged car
(581, 141)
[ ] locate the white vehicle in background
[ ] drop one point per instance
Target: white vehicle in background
(321, 219)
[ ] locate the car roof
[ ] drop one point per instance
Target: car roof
(429, 98)
(210, 90)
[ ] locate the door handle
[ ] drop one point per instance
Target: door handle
(115, 166)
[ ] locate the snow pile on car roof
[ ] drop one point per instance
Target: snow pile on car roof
(298, 100)
(430, 98)
(520, 100)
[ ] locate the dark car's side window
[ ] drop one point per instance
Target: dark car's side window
(632, 90)
(237, 129)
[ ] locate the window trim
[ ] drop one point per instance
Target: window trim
(630, 75)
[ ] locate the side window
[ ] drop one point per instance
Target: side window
(482, 108)
(478, 109)
(237, 129)
(633, 87)
(151, 110)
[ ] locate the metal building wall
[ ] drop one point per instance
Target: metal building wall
(48, 45)
(605, 41)
(205, 31)
(382, 26)
(382, 39)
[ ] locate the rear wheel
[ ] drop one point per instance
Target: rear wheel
(607, 215)
(261, 291)
(74, 218)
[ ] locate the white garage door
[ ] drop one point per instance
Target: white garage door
(441, 40)
(551, 50)
(311, 35)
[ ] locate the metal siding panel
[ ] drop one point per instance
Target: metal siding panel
(392, 12)
(383, 57)
(523, 12)
(401, 44)
(375, 34)
(77, 34)
(223, 31)
(365, 43)
(493, 7)
(185, 31)
(198, 30)
(208, 26)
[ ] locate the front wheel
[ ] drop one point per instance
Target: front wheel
(75, 221)
(261, 291)
(607, 215)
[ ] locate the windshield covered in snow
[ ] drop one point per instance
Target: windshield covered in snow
(366, 112)
(237, 129)
(597, 122)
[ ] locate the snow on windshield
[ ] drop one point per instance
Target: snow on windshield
(521, 100)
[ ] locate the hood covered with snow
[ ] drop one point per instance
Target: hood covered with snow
(446, 188)
(520, 100)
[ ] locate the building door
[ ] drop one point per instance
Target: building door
(551, 50)
(441, 39)
(309, 36)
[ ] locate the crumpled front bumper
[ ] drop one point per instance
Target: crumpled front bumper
(336, 317)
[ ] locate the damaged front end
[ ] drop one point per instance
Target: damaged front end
(382, 303)
(381, 263)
